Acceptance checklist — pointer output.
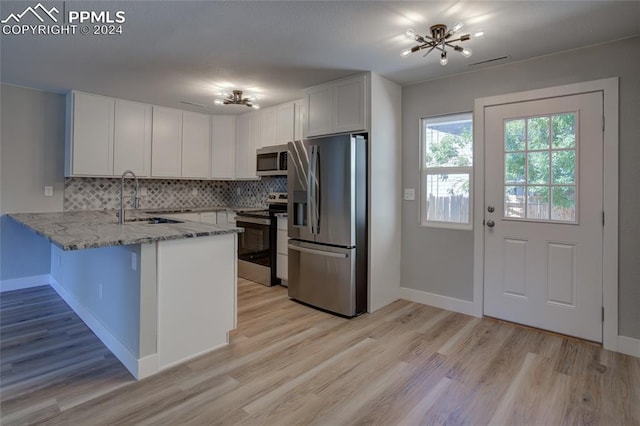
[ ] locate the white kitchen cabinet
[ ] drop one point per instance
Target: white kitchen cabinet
(282, 258)
(89, 138)
(248, 140)
(196, 145)
(285, 123)
(223, 146)
(268, 126)
(132, 138)
(166, 142)
(337, 107)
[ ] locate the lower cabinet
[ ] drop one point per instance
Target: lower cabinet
(282, 260)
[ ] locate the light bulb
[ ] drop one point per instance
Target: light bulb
(443, 59)
(218, 102)
(255, 106)
(466, 52)
(478, 34)
(405, 53)
(457, 27)
(410, 34)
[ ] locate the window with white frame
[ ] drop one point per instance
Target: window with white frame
(447, 168)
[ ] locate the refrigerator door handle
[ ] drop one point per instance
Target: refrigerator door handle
(316, 191)
(319, 252)
(310, 188)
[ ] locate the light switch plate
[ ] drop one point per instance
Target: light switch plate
(48, 191)
(409, 194)
(194, 191)
(143, 192)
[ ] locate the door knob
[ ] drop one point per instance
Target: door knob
(491, 223)
(491, 209)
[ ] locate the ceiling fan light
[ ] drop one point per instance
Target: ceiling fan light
(410, 34)
(255, 106)
(466, 52)
(457, 27)
(443, 59)
(405, 53)
(478, 34)
(218, 102)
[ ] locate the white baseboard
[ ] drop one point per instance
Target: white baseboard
(190, 357)
(24, 282)
(147, 366)
(629, 346)
(439, 301)
(116, 347)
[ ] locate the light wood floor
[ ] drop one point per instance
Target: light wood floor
(288, 364)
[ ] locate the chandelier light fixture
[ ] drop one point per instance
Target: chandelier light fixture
(440, 39)
(235, 98)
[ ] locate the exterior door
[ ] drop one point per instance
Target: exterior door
(544, 214)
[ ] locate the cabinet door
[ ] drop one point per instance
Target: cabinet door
(166, 142)
(350, 105)
(300, 114)
(256, 131)
(243, 146)
(268, 128)
(320, 110)
(196, 145)
(223, 146)
(286, 120)
(132, 138)
(92, 137)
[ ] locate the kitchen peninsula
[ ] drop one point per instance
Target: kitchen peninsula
(156, 294)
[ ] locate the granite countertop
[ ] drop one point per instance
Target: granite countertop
(169, 210)
(90, 229)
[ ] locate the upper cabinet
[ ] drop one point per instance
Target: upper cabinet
(166, 159)
(285, 123)
(268, 126)
(337, 107)
(196, 145)
(223, 146)
(132, 138)
(106, 136)
(89, 135)
(181, 144)
(300, 115)
(248, 139)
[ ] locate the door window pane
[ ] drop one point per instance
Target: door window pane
(514, 168)
(563, 205)
(564, 167)
(538, 133)
(564, 130)
(514, 201)
(540, 168)
(514, 139)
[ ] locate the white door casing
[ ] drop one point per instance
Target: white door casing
(543, 257)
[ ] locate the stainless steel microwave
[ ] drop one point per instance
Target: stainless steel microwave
(271, 160)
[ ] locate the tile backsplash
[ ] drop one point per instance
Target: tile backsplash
(104, 193)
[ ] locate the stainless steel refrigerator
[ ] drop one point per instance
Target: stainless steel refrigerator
(327, 211)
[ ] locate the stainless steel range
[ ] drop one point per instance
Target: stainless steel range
(257, 249)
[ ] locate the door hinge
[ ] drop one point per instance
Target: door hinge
(602, 217)
(603, 314)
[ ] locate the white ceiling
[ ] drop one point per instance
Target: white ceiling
(189, 50)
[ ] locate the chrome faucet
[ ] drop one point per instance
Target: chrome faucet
(135, 195)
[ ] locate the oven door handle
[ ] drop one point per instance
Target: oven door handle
(255, 220)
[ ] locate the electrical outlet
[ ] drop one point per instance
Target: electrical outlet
(134, 262)
(100, 291)
(48, 191)
(194, 191)
(410, 194)
(143, 192)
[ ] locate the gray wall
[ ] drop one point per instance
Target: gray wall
(32, 146)
(441, 261)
